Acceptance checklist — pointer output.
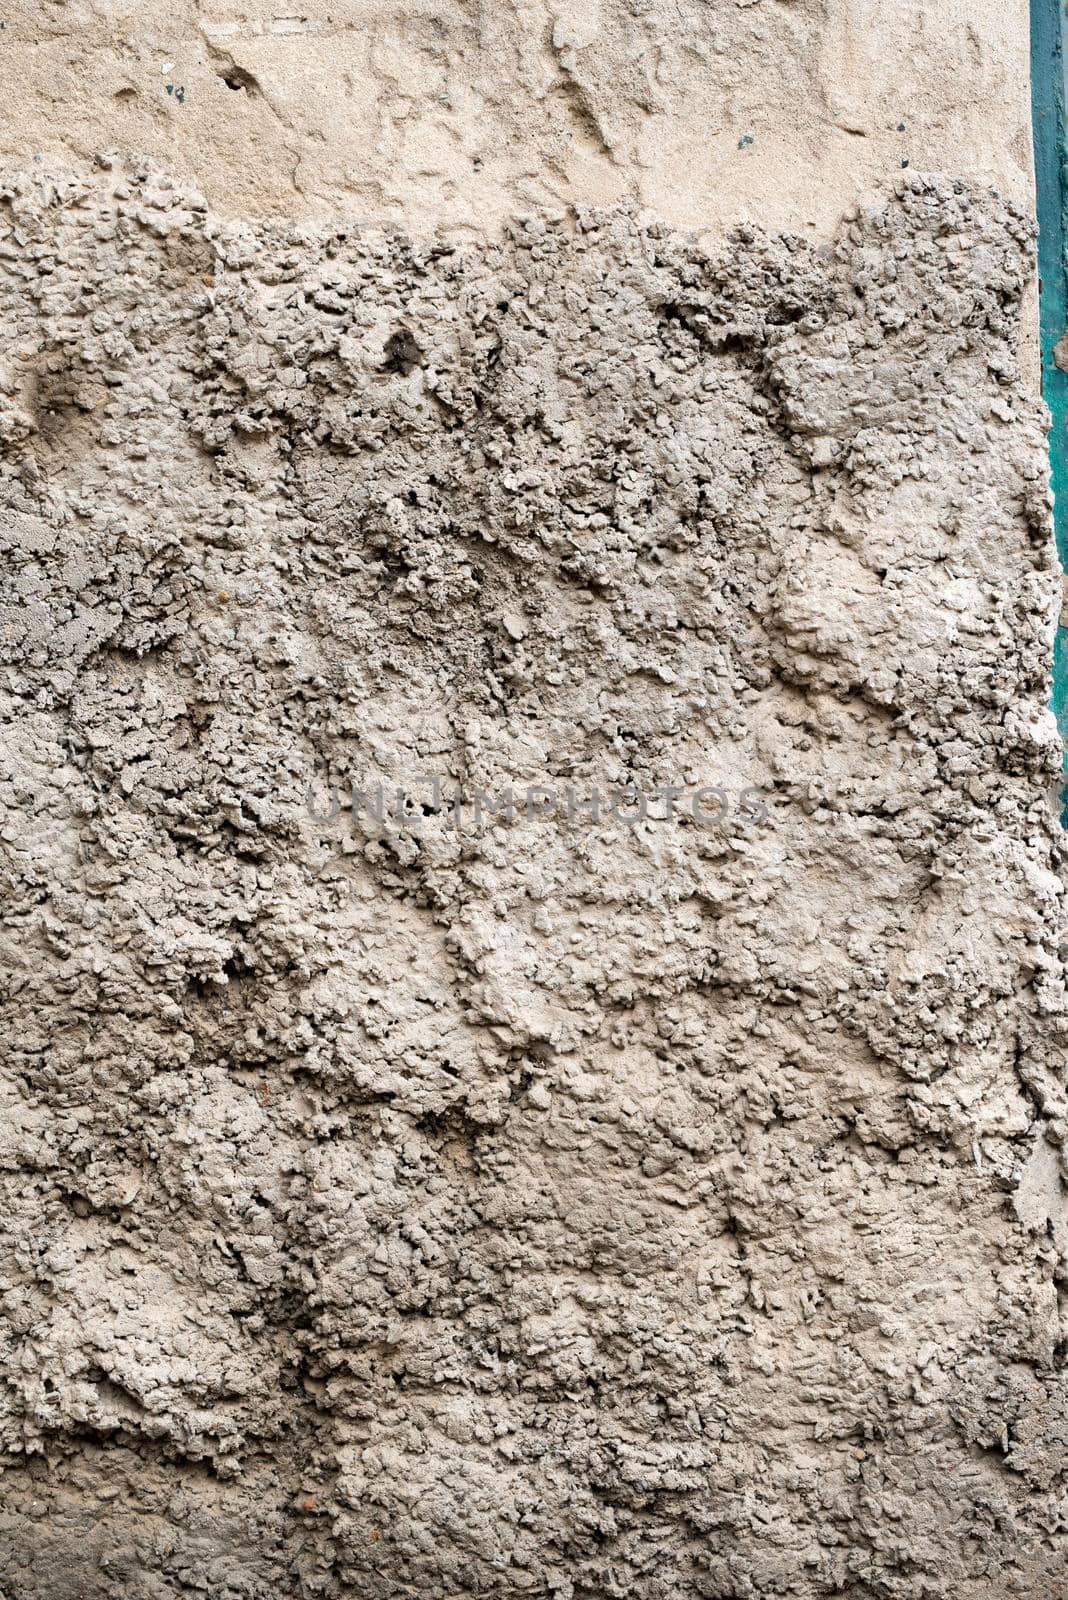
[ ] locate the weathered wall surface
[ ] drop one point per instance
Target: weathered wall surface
(456, 114)
(397, 1204)
(532, 1208)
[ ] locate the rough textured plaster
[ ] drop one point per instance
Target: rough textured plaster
(535, 1209)
(455, 114)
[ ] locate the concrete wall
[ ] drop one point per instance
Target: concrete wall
(658, 1198)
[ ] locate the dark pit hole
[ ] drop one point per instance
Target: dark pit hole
(239, 78)
(783, 315)
(402, 354)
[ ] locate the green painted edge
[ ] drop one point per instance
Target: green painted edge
(1048, 58)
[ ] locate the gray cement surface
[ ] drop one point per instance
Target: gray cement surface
(541, 1206)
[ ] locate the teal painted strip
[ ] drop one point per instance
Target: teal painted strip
(1049, 56)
